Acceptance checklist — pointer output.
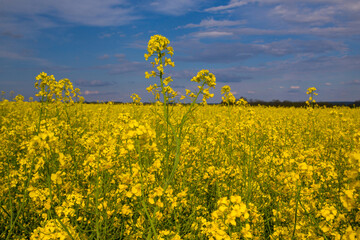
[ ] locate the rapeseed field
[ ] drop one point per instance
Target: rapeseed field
(71, 170)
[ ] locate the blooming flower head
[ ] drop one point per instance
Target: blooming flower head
(158, 43)
(51, 90)
(136, 98)
(225, 89)
(311, 90)
(206, 77)
(228, 97)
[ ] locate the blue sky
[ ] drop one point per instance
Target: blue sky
(263, 49)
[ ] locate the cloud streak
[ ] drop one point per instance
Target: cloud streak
(235, 52)
(175, 8)
(210, 23)
(231, 5)
(93, 83)
(26, 17)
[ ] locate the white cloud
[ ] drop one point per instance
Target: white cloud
(353, 82)
(93, 83)
(12, 55)
(91, 92)
(207, 23)
(294, 87)
(230, 52)
(23, 16)
(232, 4)
(175, 8)
(350, 5)
(105, 56)
(212, 34)
(123, 66)
(111, 34)
(120, 56)
(306, 15)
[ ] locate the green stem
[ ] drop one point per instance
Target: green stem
(149, 217)
(63, 226)
(178, 139)
(97, 199)
(296, 209)
(40, 115)
(22, 202)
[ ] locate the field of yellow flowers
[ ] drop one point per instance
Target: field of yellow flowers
(103, 172)
(70, 170)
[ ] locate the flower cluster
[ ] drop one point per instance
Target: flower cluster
(51, 90)
(312, 93)
(206, 81)
(231, 214)
(206, 78)
(311, 90)
(157, 44)
(228, 97)
(136, 99)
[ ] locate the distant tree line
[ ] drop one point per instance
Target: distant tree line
(273, 103)
(286, 103)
